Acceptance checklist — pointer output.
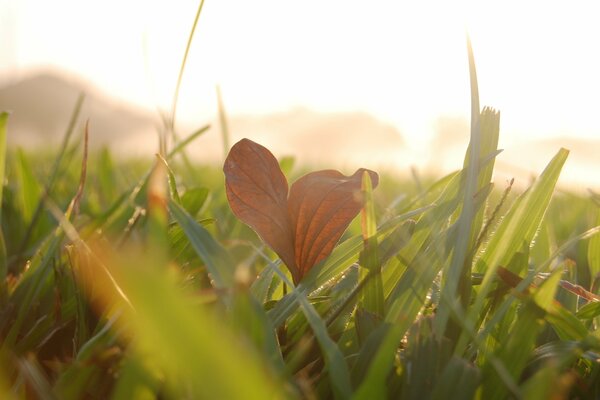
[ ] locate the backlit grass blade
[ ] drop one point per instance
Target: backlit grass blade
(515, 350)
(483, 142)
(182, 144)
(217, 260)
(340, 259)
(223, 122)
(3, 261)
(593, 254)
(30, 191)
(334, 359)
(3, 121)
(372, 299)
(516, 230)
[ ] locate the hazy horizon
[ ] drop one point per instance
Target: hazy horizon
(359, 139)
(403, 64)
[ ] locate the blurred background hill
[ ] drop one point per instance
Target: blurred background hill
(41, 105)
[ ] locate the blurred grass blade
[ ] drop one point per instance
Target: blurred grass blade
(3, 121)
(182, 144)
(30, 191)
(182, 68)
(53, 176)
(191, 342)
(458, 381)
(171, 180)
(593, 254)
(3, 261)
(223, 122)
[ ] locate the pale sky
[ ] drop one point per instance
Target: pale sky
(402, 61)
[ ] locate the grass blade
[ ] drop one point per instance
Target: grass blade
(217, 260)
(515, 231)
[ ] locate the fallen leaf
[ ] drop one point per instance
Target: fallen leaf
(257, 192)
(302, 228)
(321, 206)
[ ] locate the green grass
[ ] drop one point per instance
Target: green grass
(151, 288)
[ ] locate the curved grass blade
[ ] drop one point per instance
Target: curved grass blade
(217, 260)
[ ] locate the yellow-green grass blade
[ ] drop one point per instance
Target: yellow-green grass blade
(515, 232)
(516, 348)
(190, 342)
(565, 323)
(217, 260)
(372, 300)
(342, 257)
(3, 260)
(483, 142)
(593, 254)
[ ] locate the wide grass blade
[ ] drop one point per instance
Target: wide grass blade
(217, 260)
(190, 342)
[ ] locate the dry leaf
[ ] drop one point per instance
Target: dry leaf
(301, 229)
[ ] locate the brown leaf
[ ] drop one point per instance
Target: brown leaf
(301, 229)
(321, 206)
(257, 192)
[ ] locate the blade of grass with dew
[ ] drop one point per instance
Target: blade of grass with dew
(516, 230)
(217, 260)
(563, 322)
(408, 299)
(426, 256)
(341, 258)
(334, 359)
(429, 226)
(514, 352)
